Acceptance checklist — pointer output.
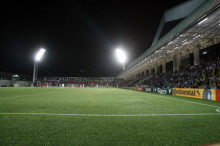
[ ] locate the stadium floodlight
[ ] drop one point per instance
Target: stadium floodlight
(121, 56)
(40, 54)
(38, 57)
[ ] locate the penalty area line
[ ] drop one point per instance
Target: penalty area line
(100, 115)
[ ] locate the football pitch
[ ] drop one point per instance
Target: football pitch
(104, 116)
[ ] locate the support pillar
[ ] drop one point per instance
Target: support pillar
(174, 63)
(196, 56)
(149, 70)
(164, 66)
(156, 68)
(178, 59)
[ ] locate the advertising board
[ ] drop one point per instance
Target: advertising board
(217, 94)
(139, 88)
(208, 94)
(148, 89)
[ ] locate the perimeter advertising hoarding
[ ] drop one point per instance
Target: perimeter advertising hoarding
(159, 90)
(217, 94)
(208, 94)
(139, 88)
(148, 89)
(162, 90)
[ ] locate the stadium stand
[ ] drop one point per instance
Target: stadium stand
(206, 75)
(79, 81)
(187, 56)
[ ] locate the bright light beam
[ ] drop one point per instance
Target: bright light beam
(40, 54)
(120, 54)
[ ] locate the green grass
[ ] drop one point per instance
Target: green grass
(140, 119)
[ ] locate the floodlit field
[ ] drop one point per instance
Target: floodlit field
(104, 116)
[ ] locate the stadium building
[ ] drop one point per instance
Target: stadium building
(193, 40)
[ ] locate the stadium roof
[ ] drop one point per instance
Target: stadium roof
(199, 29)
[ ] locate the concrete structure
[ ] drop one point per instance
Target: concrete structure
(8, 83)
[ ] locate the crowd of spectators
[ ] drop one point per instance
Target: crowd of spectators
(79, 83)
(207, 75)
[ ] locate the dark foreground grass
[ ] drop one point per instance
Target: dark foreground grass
(134, 124)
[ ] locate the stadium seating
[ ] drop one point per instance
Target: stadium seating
(203, 76)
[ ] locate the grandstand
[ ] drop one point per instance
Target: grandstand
(189, 49)
(79, 81)
(7, 80)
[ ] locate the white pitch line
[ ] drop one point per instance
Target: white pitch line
(188, 101)
(100, 115)
(22, 96)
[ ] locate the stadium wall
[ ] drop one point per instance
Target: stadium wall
(8, 83)
(206, 94)
(5, 83)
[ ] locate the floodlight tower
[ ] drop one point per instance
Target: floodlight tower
(37, 58)
(121, 56)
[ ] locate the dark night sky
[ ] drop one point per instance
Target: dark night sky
(77, 35)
